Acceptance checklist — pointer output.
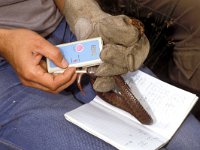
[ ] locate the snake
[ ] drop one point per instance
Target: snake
(121, 97)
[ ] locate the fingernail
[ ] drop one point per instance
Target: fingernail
(64, 63)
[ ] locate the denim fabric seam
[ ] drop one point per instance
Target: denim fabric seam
(9, 144)
(3, 64)
(9, 89)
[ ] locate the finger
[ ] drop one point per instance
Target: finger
(43, 64)
(61, 88)
(106, 69)
(138, 53)
(128, 57)
(118, 30)
(59, 79)
(34, 85)
(41, 87)
(51, 81)
(53, 53)
(36, 57)
(114, 54)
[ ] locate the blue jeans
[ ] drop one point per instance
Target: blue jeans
(31, 119)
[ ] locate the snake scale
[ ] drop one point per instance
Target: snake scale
(122, 98)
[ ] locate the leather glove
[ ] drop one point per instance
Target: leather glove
(125, 48)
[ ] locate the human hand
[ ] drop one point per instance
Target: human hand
(24, 50)
(125, 45)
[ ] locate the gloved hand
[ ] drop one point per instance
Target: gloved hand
(125, 47)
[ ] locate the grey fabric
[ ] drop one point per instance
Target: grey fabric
(28, 14)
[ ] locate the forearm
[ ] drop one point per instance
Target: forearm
(60, 4)
(4, 39)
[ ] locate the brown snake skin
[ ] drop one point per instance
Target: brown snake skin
(126, 101)
(123, 99)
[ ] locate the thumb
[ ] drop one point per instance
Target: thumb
(104, 84)
(54, 54)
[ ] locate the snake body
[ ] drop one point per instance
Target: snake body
(125, 100)
(122, 98)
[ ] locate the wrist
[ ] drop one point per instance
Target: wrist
(3, 37)
(4, 34)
